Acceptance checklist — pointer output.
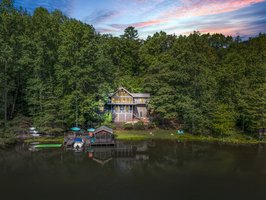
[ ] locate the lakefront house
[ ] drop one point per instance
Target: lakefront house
(126, 106)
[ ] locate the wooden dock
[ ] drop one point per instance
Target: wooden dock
(69, 141)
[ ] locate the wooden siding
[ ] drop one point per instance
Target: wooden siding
(124, 106)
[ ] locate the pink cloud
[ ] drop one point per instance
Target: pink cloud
(194, 8)
(149, 23)
(242, 30)
(197, 8)
(139, 24)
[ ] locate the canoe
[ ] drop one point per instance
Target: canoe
(48, 145)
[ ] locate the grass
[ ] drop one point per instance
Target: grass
(171, 135)
(46, 140)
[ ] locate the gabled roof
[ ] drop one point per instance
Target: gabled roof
(105, 128)
(120, 88)
(136, 95)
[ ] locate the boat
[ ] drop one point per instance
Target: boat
(48, 146)
(78, 143)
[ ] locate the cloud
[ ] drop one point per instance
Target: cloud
(100, 16)
(105, 30)
(138, 24)
(172, 16)
(193, 8)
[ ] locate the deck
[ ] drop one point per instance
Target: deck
(69, 141)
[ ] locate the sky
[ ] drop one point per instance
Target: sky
(246, 18)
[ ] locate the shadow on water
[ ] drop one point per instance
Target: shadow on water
(135, 170)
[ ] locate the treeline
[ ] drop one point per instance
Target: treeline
(56, 71)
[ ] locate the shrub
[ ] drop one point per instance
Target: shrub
(128, 126)
(139, 126)
(151, 125)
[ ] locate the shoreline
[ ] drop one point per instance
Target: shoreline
(5, 142)
(159, 134)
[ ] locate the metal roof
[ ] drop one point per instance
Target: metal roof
(147, 95)
(105, 128)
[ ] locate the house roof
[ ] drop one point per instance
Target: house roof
(147, 95)
(136, 95)
(105, 128)
(120, 88)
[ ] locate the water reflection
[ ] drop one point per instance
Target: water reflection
(121, 153)
(152, 169)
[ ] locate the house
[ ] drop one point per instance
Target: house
(126, 106)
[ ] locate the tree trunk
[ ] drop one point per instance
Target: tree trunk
(14, 103)
(76, 111)
(5, 94)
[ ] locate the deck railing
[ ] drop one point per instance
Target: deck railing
(128, 102)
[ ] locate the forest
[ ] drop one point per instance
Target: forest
(53, 68)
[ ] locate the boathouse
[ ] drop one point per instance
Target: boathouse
(104, 136)
(126, 106)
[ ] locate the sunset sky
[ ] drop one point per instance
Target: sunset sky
(230, 17)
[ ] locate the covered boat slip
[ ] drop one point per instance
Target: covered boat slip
(104, 135)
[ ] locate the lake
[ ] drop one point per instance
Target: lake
(135, 170)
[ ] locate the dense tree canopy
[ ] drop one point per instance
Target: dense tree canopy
(58, 71)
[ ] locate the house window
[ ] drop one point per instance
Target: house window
(127, 108)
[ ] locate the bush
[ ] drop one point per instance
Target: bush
(128, 126)
(139, 126)
(151, 125)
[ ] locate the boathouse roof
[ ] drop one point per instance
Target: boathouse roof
(103, 128)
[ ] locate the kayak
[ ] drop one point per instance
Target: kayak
(48, 145)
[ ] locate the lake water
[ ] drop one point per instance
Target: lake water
(141, 170)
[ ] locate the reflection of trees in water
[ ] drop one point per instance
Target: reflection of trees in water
(141, 157)
(209, 158)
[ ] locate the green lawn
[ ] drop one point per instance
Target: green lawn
(171, 134)
(46, 140)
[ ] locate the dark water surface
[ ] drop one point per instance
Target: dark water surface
(142, 170)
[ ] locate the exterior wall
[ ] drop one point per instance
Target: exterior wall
(122, 97)
(122, 113)
(103, 137)
(141, 111)
(140, 100)
(122, 117)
